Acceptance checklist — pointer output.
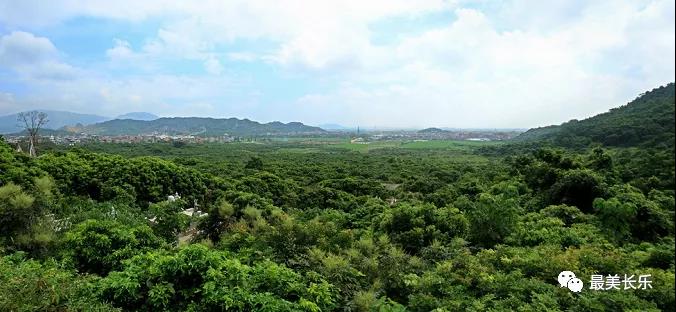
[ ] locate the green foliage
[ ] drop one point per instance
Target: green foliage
(543, 167)
(197, 278)
(370, 302)
(568, 214)
(254, 163)
(16, 209)
(577, 188)
(301, 226)
(328, 198)
(646, 169)
(231, 207)
(101, 246)
(28, 285)
(630, 214)
(15, 167)
(616, 216)
(24, 219)
(168, 219)
(492, 218)
(600, 160)
(178, 144)
(281, 192)
(107, 177)
(415, 227)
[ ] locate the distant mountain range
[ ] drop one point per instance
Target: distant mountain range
(61, 119)
(195, 126)
(647, 121)
(136, 123)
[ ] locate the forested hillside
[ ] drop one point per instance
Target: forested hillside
(196, 125)
(647, 121)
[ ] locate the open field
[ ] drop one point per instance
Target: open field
(299, 145)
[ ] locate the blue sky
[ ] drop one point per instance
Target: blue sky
(494, 64)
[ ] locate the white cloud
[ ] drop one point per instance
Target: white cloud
(18, 48)
(213, 66)
(33, 57)
(468, 73)
(242, 56)
(38, 13)
(57, 85)
(313, 34)
(512, 63)
(121, 50)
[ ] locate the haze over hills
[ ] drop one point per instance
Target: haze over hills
(196, 126)
(61, 119)
(432, 130)
(138, 116)
(333, 126)
(647, 121)
(136, 123)
(57, 119)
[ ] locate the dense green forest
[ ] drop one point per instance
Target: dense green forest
(290, 226)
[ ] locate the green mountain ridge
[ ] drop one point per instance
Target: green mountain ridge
(647, 121)
(196, 126)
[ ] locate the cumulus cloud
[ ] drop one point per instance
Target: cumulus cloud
(21, 47)
(33, 57)
(56, 85)
(120, 51)
(469, 73)
(213, 66)
(37, 13)
(313, 33)
(242, 56)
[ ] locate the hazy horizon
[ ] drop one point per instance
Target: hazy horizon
(385, 64)
(325, 126)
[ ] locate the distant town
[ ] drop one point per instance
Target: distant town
(355, 137)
